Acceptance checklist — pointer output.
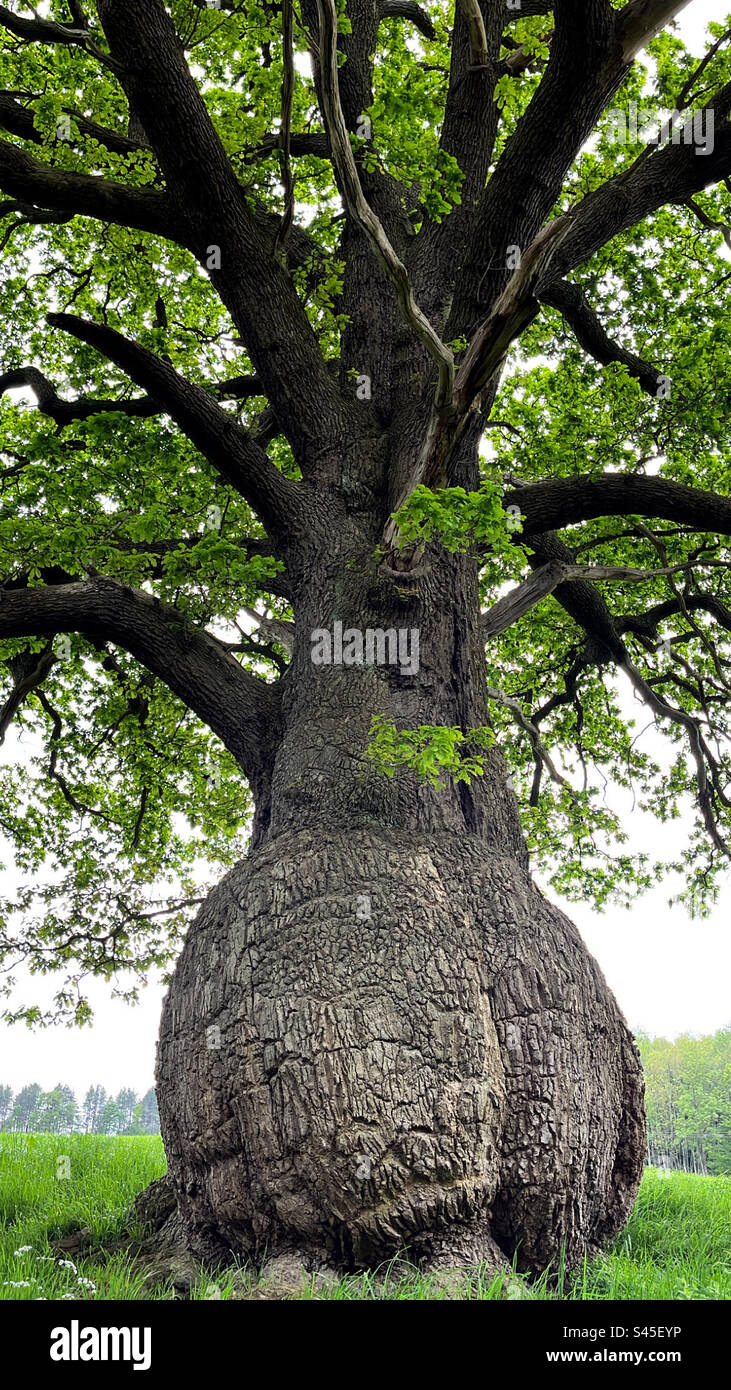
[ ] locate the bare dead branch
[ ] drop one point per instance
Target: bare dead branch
(361, 212)
(275, 628)
(515, 309)
(479, 55)
(641, 20)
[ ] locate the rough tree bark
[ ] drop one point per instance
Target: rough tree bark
(380, 1034)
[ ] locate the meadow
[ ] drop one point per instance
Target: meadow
(675, 1247)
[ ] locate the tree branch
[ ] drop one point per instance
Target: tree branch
(670, 175)
(84, 195)
(528, 9)
(407, 9)
(229, 447)
(641, 20)
(515, 309)
(304, 144)
(286, 123)
(586, 605)
(66, 412)
(48, 31)
(28, 670)
(468, 134)
(591, 335)
(710, 223)
(646, 624)
(560, 502)
(540, 752)
(216, 222)
(19, 120)
(700, 752)
(274, 628)
(522, 60)
(546, 580)
(584, 69)
(240, 708)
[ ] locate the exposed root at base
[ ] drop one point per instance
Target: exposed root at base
(294, 1274)
(155, 1243)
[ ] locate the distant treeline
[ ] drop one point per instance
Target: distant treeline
(688, 1098)
(58, 1111)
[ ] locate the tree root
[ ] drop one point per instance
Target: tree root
(154, 1238)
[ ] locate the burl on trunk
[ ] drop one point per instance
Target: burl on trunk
(380, 1036)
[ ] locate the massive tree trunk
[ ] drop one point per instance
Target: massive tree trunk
(380, 1035)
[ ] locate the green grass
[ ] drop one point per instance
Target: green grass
(676, 1245)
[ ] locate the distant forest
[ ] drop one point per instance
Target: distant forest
(59, 1112)
(688, 1100)
(688, 1105)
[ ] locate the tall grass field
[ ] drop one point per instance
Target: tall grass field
(676, 1245)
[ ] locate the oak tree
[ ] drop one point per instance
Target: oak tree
(331, 328)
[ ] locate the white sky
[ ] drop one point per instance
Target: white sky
(669, 974)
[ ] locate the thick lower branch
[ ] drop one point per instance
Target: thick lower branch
(241, 709)
(229, 447)
(560, 502)
(544, 582)
(32, 181)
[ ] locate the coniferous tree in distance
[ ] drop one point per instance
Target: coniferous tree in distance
(6, 1103)
(23, 1107)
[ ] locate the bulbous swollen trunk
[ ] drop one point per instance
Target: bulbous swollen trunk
(380, 1036)
(376, 1041)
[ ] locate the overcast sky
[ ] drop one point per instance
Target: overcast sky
(669, 974)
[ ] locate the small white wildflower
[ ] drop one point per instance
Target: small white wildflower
(16, 1284)
(68, 1295)
(23, 1250)
(87, 1284)
(69, 1264)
